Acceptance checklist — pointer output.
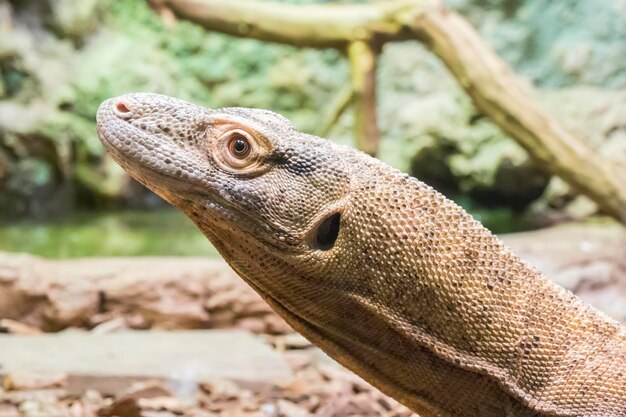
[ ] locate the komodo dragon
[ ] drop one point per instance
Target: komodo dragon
(382, 272)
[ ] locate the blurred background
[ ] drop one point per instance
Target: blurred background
(62, 198)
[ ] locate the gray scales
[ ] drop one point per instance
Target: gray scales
(390, 278)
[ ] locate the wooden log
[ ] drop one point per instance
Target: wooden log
(166, 293)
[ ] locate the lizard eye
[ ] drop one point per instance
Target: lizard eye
(238, 148)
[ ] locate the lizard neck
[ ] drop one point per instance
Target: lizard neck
(428, 298)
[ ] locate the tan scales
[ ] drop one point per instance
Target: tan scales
(386, 275)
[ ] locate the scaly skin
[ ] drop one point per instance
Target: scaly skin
(414, 295)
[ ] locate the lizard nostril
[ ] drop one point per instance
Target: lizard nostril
(121, 107)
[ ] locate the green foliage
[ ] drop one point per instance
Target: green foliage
(100, 49)
(129, 50)
(13, 80)
(134, 52)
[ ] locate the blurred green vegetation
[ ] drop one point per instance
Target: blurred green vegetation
(122, 233)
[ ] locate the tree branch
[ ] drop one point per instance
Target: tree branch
(498, 93)
(363, 68)
(493, 87)
(316, 26)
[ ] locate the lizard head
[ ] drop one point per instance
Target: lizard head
(258, 188)
(382, 272)
(355, 255)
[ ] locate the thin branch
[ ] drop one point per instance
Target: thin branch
(363, 68)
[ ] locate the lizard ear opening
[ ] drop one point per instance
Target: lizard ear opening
(327, 232)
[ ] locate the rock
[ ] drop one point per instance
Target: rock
(8, 410)
(432, 130)
(600, 122)
(117, 324)
(362, 404)
(168, 405)
(74, 18)
(129, 403)
(221, 390)
(34, 409)
(589, 260)
(289, 409)
(145, 389)
(122, 408)
(201, 413)
(291, 341)
(41, 396)
(349, 380)
(170, 293)
(582, 50)
(32, 379)
(110, 362)
(17, 328)
(76, 410)
(298, 360)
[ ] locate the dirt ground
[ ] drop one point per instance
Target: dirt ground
(315, 386)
